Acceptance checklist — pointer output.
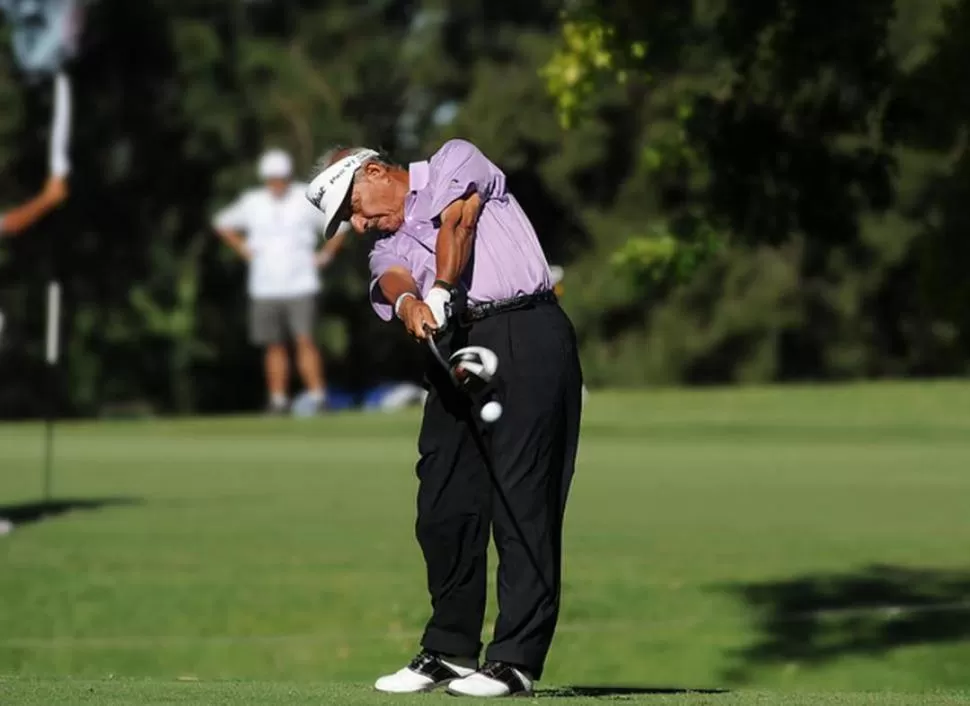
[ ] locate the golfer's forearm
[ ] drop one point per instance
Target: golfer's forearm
(452, 251)
(396, 282)
(456, 237)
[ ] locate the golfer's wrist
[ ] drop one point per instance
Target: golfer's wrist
(401, 302)
(445, 285)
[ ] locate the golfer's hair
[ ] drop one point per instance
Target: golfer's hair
(341, 151)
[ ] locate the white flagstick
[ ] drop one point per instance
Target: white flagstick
(53, 356)
(60, 166)
(53, 322)
(60, 140)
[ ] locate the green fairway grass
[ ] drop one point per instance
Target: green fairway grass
(789, 545)
(30, 692)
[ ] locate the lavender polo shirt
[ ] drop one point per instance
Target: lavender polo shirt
(507, 260)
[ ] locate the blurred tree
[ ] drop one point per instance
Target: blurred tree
(786, 133)
(174, 104)
(743, 192)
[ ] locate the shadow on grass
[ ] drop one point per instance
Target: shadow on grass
(30, 513)
(619, 691)
(816, 619)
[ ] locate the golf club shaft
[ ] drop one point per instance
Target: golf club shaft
(479, 440)
(436, 352)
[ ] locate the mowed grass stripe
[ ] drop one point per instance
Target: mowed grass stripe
(703, 525)
(188, 691)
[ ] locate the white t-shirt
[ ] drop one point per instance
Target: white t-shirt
(282, 234)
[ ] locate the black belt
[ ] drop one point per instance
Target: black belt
(477, 312)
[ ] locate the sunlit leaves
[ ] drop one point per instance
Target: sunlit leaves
(588, 56)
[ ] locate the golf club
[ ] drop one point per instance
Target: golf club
(483, 451)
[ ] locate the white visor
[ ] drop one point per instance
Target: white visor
(328, 190)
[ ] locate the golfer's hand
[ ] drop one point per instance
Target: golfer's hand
(417, 317)
(439, 301)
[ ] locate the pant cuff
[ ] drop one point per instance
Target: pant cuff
(450, 643)
(517, 658)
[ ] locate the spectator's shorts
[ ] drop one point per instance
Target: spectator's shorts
(272, 320)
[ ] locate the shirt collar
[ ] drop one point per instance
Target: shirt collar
(419, 174)
(285, 196)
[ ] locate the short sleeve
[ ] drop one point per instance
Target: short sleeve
(383, 257)
(232, 216)
(459, 169)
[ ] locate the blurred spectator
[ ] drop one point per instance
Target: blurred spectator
(281, 235)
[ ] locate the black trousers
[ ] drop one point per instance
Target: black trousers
(533, 451)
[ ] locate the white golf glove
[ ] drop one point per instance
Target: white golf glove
(439, 301)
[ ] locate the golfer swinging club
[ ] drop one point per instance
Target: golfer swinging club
(457, 256)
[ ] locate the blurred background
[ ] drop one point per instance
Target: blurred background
(740, 194)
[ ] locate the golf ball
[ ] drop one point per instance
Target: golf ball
(491, 411)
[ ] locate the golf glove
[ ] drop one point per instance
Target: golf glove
(439, 301)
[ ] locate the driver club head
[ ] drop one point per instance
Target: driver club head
(474, 367)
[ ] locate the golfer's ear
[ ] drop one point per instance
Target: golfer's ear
(373, 169)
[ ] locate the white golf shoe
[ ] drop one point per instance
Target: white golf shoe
(493, 680)
(426, 672)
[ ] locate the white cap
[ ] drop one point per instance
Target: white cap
(275, 164)
(329, 188)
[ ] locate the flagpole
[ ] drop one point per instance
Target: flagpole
(59, 164)
(53, 357)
